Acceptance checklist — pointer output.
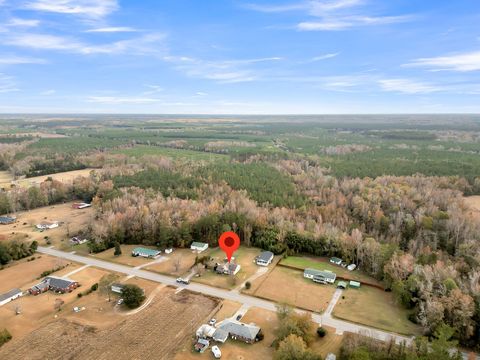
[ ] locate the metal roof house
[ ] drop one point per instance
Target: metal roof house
(336, 260)
(264, 259)
(117, 288)
(238, 331)
(146, 253)
(320, 276)
(199, 246)
(6, 220)
(9, 296)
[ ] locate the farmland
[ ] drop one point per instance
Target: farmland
(66, 177)
(142, 335)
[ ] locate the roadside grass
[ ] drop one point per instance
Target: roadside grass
(243, 256)
(375, 308)
(321, 263)
(143, 150)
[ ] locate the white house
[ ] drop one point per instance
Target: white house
(320, 276)
(9, 296)
(228, 268)
(199, 246)
(117, 288)
(264, 259)
(44, 225)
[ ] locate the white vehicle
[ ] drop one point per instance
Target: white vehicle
(183, 281)
(216, 352)
(212, 322)
(120, 302)
(168, 251)
(351, 267)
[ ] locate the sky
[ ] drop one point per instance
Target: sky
(239, 57)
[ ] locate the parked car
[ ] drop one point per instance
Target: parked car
(120, 302)
(183, 281)
(239, 316)
(212, 322)
(216, 352)
(351, 267)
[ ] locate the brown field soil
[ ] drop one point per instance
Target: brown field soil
(65, 177)
(37, 310)
(154, 333)
(268, 321)
(126, 257)
(185, 257)
(74, 220)
(243, 256)
(376, 308)
(289, 286)
(23, 272)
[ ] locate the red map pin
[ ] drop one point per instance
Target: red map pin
(229, 242)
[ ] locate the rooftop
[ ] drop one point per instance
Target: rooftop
(9, 294)
(265, 256)
(321, 273)
(237, 328)
(146, 251)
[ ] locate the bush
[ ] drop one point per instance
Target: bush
(321, 332)
(5, 336)
(94, 287)
(248, 285)
(79, 295)
(132, 296)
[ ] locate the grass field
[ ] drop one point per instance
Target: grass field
(5, 179)
(178, 263)
(65, 177)
(289, 286)
(243, 256)
(142, 150)
(376, 308)
(303, 262)
(126, 257)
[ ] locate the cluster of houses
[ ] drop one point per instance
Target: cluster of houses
(55, 284)
(229, 328)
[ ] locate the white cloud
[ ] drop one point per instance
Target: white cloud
(94, 9)
(154, 89)
(23, 22)
(408, 86)
(48, 92)
(113, 29)
(343, 23)
(17, 60)
(461, 62)
(324, 57)
(201, 93)
(121, 100)
(147, 44)
(7, 84)
(276, 8)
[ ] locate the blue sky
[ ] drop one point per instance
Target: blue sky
(232, 56)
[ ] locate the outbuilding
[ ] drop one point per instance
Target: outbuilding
(342, 285)
(9, 296)
(117, 288)
(44, 225)
(336, 260)
(264, 259)
(354, 284)
(199, 246)
(6, 220)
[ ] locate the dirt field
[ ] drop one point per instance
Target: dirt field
(243, 256)
(287, 285)
(37, 310)
(185, 258)
(376, 308)
(23, 272)
(74, 221)
(126, 258)
(154, 333)
(65, 177)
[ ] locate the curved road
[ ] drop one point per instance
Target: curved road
(249, 301)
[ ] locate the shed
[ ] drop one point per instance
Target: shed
(117, 288)
(354, 284)
(342, 285)
(199, 246)
(335, 260)
(10, 295)
(5, 220)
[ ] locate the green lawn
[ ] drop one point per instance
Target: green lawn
(376, 308)
(142, 150)
(303, 262)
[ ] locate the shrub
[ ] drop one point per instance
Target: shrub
(321, 332)
(94, 287)
(5, 336)
(248, 285)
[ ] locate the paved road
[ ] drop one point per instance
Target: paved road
(247, 301)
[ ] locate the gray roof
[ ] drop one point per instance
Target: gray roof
(9, 294)
(220, 335)
(6, 220)
(237, 328)
(265, 256)
(59, 283)
(320, 273)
